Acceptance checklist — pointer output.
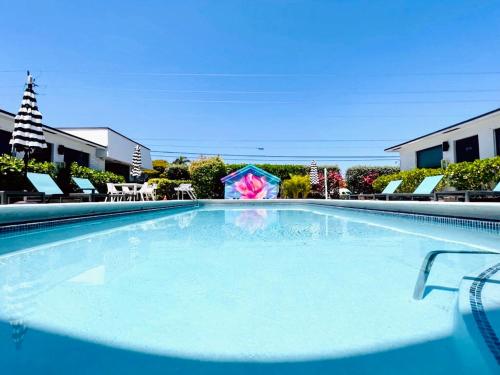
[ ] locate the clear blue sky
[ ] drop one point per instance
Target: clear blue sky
(203, 76)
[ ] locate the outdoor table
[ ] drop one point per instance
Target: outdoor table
(132, 186)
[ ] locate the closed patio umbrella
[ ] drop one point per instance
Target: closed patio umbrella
(136, 170)
(28, 135)
(313, 173)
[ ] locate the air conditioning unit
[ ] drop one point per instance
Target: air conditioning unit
(101, 153)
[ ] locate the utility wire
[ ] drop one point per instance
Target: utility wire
(273, 156)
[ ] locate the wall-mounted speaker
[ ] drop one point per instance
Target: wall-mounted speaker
(60, 150)
(446, 146)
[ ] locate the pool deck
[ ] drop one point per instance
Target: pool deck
(23, 213)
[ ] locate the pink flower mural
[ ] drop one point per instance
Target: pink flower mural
(251, 187)
(250, 182)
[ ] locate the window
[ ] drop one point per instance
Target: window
(430, 157)
(497, 140)
(5, 137)
(467, 149)
(75, 156)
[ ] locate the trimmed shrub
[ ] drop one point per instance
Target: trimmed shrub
(360, 178)
(205, 177)
(12, 168)
(411, 179)
(98, 178)
(176, 172)
(296, 187)
(477, 175)
(166, 187)
(283, 171)
(159, 167)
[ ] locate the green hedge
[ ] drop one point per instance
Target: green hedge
(283, 171)
(411, 179)
(12, 168)
(176, 172)
(98, 178)
(360, 178)
(205, 177)
(166, 187)
(476, 175)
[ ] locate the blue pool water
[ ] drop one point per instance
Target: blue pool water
(215, 290)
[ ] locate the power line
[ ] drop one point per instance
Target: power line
(257, 75)
(274, 156)
(297, 140)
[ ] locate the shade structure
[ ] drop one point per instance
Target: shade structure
(136, 170)
(28, 135)
(313, 173)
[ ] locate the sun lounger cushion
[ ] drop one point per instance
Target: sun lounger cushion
(428, 185)
(44, 183)
(392, 187)
(84, 184)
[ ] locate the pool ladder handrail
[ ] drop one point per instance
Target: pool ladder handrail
(429, 259)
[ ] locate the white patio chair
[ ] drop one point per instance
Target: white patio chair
(185, 188)
(128, 194)
(113, 193)
(153, 191)
(145, 192)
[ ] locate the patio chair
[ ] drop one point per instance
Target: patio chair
(88, 189)
(113, 193)
(128, 194)
(185, 188)
(146, 192)
(43, 183)
(468, 194)
(423, 191)
(389, 189)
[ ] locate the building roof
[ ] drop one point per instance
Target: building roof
(104, 128)
(252, 169)
(52, 130)
(443, 130)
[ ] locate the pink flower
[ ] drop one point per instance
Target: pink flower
(251, 187)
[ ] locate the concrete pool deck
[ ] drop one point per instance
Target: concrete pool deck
(24, 213)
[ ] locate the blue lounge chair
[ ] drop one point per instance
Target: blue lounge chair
(389, 189)
(43, 183)
(84, 185)
(468, 194)
(423, 191)
(88, 189)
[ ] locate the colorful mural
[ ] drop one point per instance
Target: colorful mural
(251, 182)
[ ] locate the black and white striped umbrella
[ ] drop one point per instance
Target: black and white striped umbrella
(313, 173)
(28, 133)
(136, 162)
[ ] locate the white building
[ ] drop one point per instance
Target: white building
(119, 148)
(99, 148)
(475, 138)
(62, 147)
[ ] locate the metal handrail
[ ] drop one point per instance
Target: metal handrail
(429, 259)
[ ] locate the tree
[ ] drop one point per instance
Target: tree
(181, 160)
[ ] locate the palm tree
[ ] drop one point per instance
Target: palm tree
(181, 160)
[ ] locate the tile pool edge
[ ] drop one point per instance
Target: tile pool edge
(29, 215)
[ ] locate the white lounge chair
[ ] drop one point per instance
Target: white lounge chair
(113, 193)
(185, 188)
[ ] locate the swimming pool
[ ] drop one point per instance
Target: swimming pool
(235, 289)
